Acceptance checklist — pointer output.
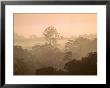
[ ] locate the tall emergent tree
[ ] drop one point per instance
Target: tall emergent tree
(51, 35)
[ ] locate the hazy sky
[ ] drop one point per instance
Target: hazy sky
(66, 24)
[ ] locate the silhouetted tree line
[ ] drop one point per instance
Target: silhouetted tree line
(86, 66)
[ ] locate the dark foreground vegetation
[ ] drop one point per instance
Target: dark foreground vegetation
(26, 62)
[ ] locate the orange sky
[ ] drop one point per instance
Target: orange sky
(67, 24)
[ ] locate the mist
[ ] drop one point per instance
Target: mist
(34, 54)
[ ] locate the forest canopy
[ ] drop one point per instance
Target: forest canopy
(75, 56)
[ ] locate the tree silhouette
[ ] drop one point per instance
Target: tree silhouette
(51, 35)
(85, 66)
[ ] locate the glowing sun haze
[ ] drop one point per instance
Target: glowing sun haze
(66, 24)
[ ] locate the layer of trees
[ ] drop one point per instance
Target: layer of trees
(78, 58)
(35, 65)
